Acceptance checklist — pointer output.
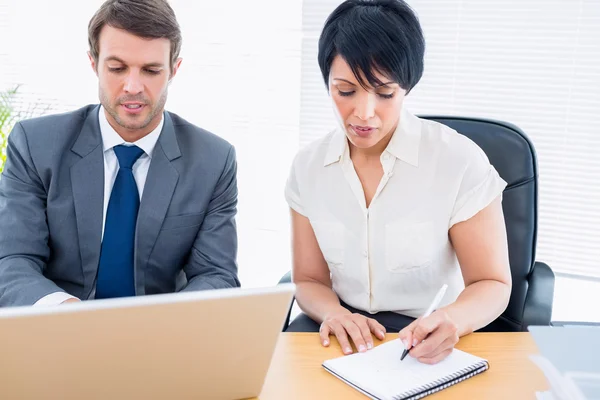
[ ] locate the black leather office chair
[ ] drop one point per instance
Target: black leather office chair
(513, 155)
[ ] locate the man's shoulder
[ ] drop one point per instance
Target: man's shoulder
(49, 136)
(62, 121)
(192, 135)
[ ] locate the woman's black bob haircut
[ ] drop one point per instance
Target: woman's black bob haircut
(381, 36)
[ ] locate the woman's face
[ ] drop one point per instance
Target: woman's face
(369, 116)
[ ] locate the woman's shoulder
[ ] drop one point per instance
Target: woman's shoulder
(449, 144)
(315, 152)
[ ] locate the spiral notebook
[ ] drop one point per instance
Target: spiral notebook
(380, 374)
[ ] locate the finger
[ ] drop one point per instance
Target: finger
(424, 328)
(324, 334)
(436, 359)
(447, 344)
(342, 337)
(365, 331)
(406, 338)
(451, 338)
(377, 329)
(427, 347)
(370, 325)
(442, 330)
(444, 336)
(356, 335)
(406, 334)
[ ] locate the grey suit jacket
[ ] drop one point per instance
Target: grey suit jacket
(51, 210)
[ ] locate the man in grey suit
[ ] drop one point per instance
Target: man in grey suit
(122, 198)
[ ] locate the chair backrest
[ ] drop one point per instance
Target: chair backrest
(513, 155)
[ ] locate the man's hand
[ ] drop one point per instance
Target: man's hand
(357, 326)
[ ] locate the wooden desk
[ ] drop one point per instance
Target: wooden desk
(296, 371)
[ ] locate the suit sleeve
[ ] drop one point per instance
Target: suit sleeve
(24, 250)
(212, 263)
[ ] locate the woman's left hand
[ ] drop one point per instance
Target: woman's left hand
(430, 339)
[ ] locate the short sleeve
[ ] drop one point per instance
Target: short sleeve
(480, 185)
(292, 190)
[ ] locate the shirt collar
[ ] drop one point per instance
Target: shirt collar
(403, 145)
(110, 137)
(337, 147)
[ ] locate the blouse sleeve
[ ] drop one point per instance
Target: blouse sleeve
(292, 190)
(480, 185)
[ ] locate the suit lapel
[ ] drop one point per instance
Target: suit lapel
(87, 181)
(158, 191)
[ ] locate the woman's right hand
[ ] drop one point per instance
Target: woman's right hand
(316, 297)
(356, 326)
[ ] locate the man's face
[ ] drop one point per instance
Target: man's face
(133, 77)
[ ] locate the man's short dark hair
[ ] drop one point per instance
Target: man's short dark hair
(381, 36)
(149, 19)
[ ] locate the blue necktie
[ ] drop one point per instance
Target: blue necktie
(115, 271)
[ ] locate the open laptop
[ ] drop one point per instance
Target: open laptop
(197, 345)
(571, 359)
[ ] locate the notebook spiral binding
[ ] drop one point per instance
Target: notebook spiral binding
(443, 383)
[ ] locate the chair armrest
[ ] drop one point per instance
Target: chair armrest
(287, 278)
(540, 296)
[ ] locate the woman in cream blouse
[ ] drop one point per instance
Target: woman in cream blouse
(389, 207)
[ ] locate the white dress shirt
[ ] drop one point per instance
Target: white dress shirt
(396, 254)
(110, 139)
